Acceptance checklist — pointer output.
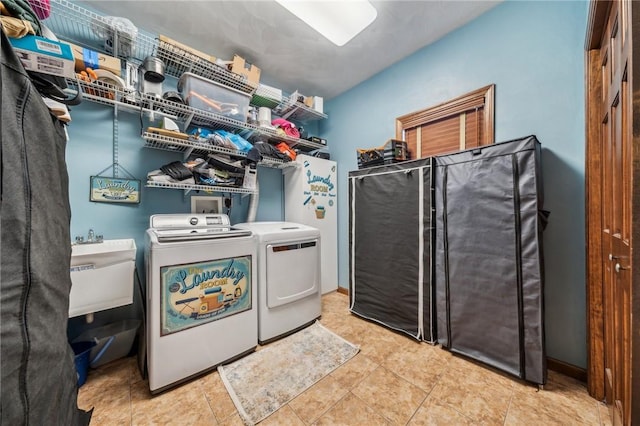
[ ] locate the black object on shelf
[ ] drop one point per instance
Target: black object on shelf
(393, 151)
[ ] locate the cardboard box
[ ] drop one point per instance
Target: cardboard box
(315, 102)
(240, 66)
(42, 55)
(87, 58)
(308, 101)
(179, 46)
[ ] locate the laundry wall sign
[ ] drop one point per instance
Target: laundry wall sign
(114, 190)
(197, 293)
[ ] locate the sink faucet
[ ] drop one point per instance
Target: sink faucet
(92, 238)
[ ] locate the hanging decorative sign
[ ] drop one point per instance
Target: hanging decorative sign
(114, 190)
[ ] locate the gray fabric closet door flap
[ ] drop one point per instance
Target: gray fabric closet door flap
(389, 231)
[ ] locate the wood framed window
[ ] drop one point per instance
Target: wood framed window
(461, 123)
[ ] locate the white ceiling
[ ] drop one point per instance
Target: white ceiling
(290, 54)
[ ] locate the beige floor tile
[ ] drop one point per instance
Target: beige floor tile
(334, 302)
(438, 352)
(234, 420)
(392, 397)
(136, 375)
(435, 412)
(352, 329)
(285, 416)
(217, 396)
(474, 391)
(417, 364)
(563, 401)
(605, 415)
(117, 372)
(332, 320)
(313, 402)
(185, 404)
(379, 343)
(354, 371)
(389, 382)
(561, 387)
(112, 406)
(483, 371)
(543, 408)
(351, 411)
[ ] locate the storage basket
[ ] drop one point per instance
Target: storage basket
(208, 95)
(81, 353)
(112, 341)
(393, 151)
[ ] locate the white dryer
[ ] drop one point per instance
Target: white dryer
(288, 277)
(201, 298)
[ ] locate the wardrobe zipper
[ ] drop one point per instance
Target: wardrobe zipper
(516, 215)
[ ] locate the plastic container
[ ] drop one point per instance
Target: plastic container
(82, 351)
(112, 341)
(207, 95)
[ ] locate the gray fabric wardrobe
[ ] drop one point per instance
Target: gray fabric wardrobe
(39, 382)
(483, 296)
(489, 265)
(391, 243)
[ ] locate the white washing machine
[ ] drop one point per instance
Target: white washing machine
(288, 277)
(201, 295)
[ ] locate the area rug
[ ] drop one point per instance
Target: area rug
(264, 381)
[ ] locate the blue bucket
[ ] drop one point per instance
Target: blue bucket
(81, 350)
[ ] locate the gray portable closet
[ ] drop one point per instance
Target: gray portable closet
(391, 242)
(489, 265)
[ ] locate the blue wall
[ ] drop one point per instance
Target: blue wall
(533, 53)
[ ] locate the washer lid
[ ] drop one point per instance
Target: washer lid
(181, 227)
(280, 228)
(188, 221)
(198, 234)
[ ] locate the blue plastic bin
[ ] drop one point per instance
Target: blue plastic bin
(82, 350)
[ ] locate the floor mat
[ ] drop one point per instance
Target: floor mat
(262, 382)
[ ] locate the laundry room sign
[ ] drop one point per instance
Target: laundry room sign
(197, 293)
(114, 190)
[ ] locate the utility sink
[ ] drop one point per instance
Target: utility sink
(101, 276)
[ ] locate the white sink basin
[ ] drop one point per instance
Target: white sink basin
(101, 276)
(116, 249)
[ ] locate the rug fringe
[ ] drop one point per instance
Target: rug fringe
(236, 401)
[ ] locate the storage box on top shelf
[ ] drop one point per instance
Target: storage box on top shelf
(266, 96)
(45, 56)
(393, 151)
(167, 43)
(242, 67)
(179, 57)
(315, 102)
(207, 95)
(87, 58)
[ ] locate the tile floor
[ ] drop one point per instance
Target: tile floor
(392, 381)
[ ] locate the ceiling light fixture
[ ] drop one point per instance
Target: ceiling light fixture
(338, 21)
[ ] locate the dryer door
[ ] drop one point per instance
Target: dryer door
(293, 271)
